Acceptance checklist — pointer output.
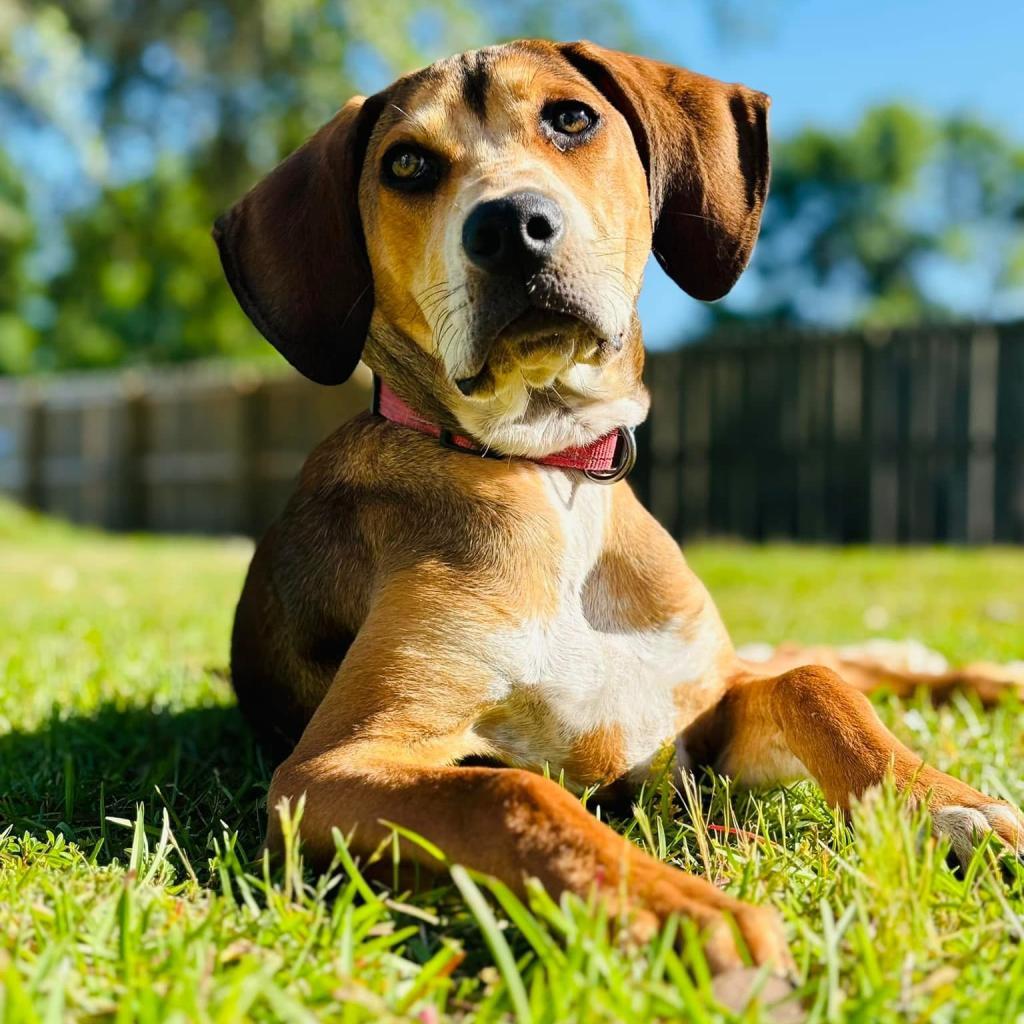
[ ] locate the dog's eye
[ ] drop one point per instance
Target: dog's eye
(572, 120)
(407, 164)
(408, 167)
(569, 119)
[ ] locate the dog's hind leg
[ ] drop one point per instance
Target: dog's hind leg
(808, 722)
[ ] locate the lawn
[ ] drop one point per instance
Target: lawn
(130, 887)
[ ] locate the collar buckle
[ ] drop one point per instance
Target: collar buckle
(627, 447)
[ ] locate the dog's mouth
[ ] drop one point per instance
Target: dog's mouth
(531, 343)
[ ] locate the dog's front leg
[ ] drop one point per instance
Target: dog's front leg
(515, 825)
(809, 722)
(382, 748)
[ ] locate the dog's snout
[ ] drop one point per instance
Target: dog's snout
(514, 234)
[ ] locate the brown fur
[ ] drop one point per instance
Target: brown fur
(415, 608)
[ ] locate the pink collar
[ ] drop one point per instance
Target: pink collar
(605, 460)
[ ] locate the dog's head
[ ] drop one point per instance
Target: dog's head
(482, 226)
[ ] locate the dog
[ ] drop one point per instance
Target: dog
(463, 589)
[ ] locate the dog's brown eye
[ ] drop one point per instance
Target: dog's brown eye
(407, 164)
(568, 122)
(408, 167)
(572, 120)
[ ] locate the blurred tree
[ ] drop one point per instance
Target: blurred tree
(17, 238)
(148, 117)
(145, 281)
(901, 219)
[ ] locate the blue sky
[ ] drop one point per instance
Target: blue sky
(825, 61)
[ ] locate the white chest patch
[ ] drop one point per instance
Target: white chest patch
(584, 678)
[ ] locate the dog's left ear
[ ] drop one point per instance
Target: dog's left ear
(294, 254)
(704, 145)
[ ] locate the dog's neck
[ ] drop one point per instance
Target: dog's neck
(411, 373)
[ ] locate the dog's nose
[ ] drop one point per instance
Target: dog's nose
(514, 234)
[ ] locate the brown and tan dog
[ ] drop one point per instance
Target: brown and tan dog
(477, 233)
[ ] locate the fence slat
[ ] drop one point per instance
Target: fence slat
(981, 430)
(664, 443)
(1009, 440)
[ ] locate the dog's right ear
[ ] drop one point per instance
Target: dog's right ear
(294, 254)
(704, 146)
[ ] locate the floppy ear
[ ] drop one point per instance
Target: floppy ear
(704, 145)
(293, 250)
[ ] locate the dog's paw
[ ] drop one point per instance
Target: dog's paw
(742, 988)
(743, 934)
(967, 825)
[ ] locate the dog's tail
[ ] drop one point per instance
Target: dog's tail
(900, 666)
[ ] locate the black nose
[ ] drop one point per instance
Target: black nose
(514, 234)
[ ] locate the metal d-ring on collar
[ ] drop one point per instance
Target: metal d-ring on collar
(627, 445)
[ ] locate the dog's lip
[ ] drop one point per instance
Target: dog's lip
(529, 327)
(537, 323)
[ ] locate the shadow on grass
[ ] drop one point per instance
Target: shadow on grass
(74, 773)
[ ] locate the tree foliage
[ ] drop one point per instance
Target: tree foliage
(902, 218)
(17, 238)
(140, 120)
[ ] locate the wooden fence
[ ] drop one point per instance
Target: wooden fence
(909, 436)
(912, 436)
(209, 449)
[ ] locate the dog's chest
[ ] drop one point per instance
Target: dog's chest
(578, 688)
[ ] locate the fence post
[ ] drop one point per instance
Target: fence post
(1008, 444)
(251, 393)
(981, 437)
(131, 512)
(34, 450)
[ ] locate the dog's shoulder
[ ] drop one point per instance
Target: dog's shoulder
(383, 495)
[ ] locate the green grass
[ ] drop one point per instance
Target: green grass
(130, 887)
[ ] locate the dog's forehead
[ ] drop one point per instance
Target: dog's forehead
(479, 88)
